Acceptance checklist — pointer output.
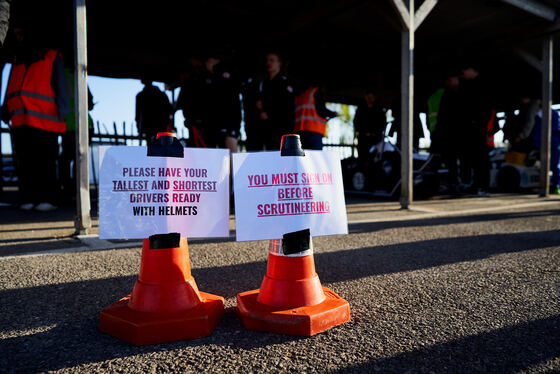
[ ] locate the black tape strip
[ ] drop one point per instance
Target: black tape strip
(291, 146)
(163, 241)
(296, 242)
(166, 146)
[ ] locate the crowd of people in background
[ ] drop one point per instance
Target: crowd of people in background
(463, 121)
(463, 129)
(210, 100)
(214, 102)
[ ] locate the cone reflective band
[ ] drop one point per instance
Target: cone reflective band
(297, 244)
(291, 280)
(165, 304)
(291, 299)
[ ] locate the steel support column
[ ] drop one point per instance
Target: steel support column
(83, 218)
(546, 115)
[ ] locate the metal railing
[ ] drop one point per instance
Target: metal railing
(117, 134)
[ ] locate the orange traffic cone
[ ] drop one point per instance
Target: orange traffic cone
(291, 299)
(165, 304)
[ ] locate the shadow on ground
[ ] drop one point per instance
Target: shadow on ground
(56, 326)
(507, 350)
(356, 228)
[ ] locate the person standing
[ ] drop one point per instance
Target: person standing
(275, 107)
(445, 134)
(153, 111)
(35, 106)
(211, 106)
(311, 117)
(370, 122)
(520, 122)
(474, 114)
(434, 102)
(554, 146)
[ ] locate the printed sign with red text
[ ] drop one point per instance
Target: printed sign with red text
(141, 196)
(275, 195)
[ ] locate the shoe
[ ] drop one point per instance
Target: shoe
(45, 207)
(482, 193)
(26, 206)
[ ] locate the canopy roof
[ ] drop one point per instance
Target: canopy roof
(348, 45)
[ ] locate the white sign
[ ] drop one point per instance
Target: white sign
(141, 196)
(275, 195)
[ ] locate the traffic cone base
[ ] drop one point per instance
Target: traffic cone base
(165, 304)
(143, 328)
(303, 320)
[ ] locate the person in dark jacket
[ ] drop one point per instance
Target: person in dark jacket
(211, 106)
(153, 111)
(275, 107)
(473, 114)
(554, 146)
(370, 122)
(446, 134)
(519, 124)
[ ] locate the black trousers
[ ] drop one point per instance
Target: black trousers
(35, 154)
(266, 134)
(67, 164)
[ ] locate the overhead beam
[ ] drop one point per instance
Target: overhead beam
(305, 19)
(402, 10)
(423, 12)
(534, 7)
(529, 58)
(302, 20)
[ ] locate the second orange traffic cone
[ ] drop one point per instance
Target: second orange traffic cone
(291, 299)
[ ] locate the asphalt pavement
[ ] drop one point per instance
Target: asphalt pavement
(459, 285)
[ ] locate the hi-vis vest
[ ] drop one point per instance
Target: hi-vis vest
(31, 99)
(434, 102)
(307, 118)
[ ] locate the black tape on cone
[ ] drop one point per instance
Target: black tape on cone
(296, 242)
(162, 241)
(166, 146)
(291, 146)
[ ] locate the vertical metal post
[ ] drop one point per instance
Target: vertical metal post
(83, 218)
(407, 108)
(546, 115)
(1, 133)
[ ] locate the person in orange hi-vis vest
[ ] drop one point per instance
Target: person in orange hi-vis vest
(311, 117)
(35, 106)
